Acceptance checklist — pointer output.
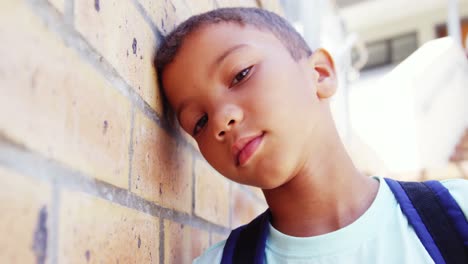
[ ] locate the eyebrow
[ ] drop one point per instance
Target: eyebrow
(227, 52)
(215, 63)
(181, 107)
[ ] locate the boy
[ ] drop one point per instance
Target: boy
(245, 85)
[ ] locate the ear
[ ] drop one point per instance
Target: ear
(324, 67)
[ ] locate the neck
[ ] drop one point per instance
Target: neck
(324, 196)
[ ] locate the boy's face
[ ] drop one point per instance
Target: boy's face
(255, 112)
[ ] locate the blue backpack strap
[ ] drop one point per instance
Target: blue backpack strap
(452, 209)
(430, 220)
(246, 244)
(229, 247)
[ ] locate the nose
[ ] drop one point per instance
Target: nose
(226, 118)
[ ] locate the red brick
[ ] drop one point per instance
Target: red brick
(119, 32)
(161, 168)
(24, 202)
(93, 230)
(211, 194)
(182, 243)
(62, 107)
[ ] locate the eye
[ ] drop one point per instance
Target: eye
(200, 124)
(241, 75)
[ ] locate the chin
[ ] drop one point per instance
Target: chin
(263, 175)
(276, 177)
(268, 186)
(271, 181)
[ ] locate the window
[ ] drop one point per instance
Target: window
(390, 51)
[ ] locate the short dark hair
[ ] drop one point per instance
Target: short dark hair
(260, 18)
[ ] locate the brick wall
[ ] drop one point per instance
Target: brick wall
(89, 170)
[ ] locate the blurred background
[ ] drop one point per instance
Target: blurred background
(401, 107)
(91, 172)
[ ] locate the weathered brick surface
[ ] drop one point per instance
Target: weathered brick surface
(211, 194)
(197, 7)
(215, 238)
(256, 191)
(58, 106)
(55, 103)
(189, 139)
(182, 243)
(166, 14)
(237, 3)
(161, 168)
(272, 5)
(59, 5)
(119, 32)
(244, 206)
(93, 230)
(25, 207)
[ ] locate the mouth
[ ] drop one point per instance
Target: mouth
(246, 147)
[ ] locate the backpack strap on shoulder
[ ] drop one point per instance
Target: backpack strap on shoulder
(428, 215)
(246, 244)
(453, 210)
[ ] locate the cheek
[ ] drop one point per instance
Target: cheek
(277, 92)
(216, 157)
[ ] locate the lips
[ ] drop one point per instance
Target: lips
(245, 147)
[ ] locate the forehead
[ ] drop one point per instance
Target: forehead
(203, 48)
(213, 39)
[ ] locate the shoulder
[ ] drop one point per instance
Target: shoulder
(212, 254)
(455, 184)
(458, 188)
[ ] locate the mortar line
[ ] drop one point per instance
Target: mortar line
(161, 241)
(54, 224)
(130, 147)
(69, 12)
(41, 168)
(156, 31)
(73, 39)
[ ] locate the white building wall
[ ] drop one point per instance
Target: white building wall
(392, 18)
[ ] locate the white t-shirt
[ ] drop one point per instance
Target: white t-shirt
(381, 235)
